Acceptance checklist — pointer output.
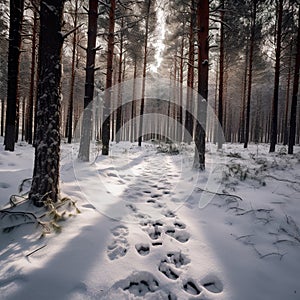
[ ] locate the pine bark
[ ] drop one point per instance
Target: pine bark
(45, 182)
(221, 78)
(119, 108)
(251, 50)
(85, 140)
(203, 47)
(140, 136)
(109, 75)
(29, 115)
(189, 126)
(293, 118)
(14, 50)
(274, 122)
(69, 127)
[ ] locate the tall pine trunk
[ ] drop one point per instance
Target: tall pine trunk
(251, 50)
(109, 73)
(119, 108)
(274, 122)
(202, 26)
(14, 50)
(29, 114)
(293, 118)
(140, 136)
(221, 77)
(69, 123)
(45, 182)
(85, 140)
(189, 126)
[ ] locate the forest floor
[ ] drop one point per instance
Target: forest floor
(150, 227)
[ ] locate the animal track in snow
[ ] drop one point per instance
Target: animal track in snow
(142, 249)
(169, 214)
(153, 228)
(167, 270)
(175, 259)
(191, 288)
(119, 245)
(212, 284)
(180, 235)
(141, 284)
(178, 259)
(179, 225)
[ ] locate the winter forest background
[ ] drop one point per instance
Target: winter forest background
(175, 100)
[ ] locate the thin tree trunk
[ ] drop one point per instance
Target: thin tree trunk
(251, 50)
(274, 123)
(23, 118)
(293, 118)
(221, 77)
(15, 28)
(140, 136)
(203, 46)
(188, 133)
(243, 108)
(45, 182)
(69, 130)
(119, 108)
(2, 116)
(287, 100)
(29, 115)
(109, 73)
(180, 116)
(84, 149)
(133, 104)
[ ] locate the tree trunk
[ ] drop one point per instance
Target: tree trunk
(242, 113)
(133, 104)
(23, 118)
(84, 149)
(29, 114)
(203, 46)
(119, 108)
(180, 116)
(274, 121)
(293, 118)
(287, 99)
(45, 182)
(15, 28)
(2, 116)
(221, 77)
(109, 73)
(188, 133)
(251, 50)
(140, 136)
(69, 130)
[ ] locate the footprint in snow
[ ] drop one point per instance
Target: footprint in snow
(171, 261)
(153, 228)
(119, 245)
(212, 283)
(191, 288)
(169, 214)
(142, 249)
(139, 284)
(181, 236)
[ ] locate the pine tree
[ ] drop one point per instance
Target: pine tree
(45, 182)
(14, 50)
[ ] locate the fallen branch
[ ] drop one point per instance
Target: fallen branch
(36, 250)
(219, 194)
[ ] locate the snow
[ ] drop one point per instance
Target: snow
(148, 231)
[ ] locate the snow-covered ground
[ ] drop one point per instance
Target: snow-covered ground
(152, 228)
